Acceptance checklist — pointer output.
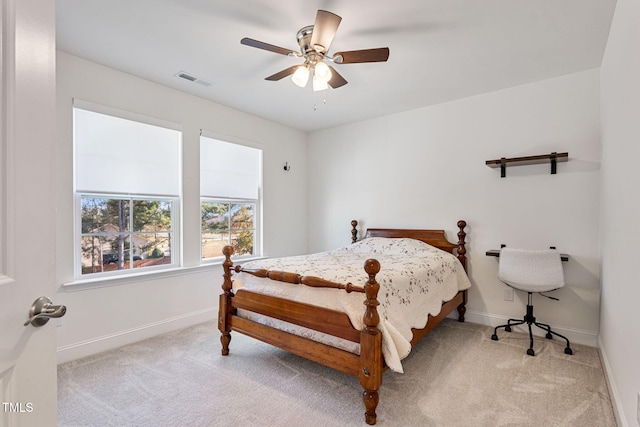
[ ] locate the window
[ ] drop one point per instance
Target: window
(230, 180)
(120, 233)
(228, 223)
(127, 191)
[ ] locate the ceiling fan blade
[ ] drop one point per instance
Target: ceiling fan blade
(367, 55)
(266, 46)
(282, 74)
(324, 30)
(336, 79)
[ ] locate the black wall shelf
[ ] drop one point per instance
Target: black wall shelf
(496, 253)
(552, 158)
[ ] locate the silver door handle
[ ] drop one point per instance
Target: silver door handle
(42, 310)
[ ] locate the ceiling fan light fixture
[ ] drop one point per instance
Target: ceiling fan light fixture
(319, 83)
(322, 72)
(301, 76)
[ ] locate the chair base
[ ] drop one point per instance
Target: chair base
(529, 319)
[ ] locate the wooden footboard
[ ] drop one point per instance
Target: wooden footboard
(332, 357)
(369, 365)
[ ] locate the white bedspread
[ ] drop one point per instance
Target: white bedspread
(415, 279)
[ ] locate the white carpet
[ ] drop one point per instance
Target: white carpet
(457, 376)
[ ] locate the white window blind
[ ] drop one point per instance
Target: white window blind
(116, 155)
(229, 170)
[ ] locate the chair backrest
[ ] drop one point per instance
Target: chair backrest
(538, 270)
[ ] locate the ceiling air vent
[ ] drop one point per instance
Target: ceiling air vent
(192, 78)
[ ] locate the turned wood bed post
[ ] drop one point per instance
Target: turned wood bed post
(354, 231)
(461, 249)
(462, 308)
(371, 361)
(224, 311)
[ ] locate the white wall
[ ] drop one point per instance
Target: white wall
(426, 169)
(620, 335)
(128, 310)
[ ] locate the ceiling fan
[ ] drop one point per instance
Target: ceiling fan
(314, 41)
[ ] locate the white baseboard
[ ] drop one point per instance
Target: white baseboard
(613, 390)
(578, 336)
(81, 349)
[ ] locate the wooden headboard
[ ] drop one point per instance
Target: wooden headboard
(435, 238)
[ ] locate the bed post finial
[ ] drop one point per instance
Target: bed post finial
(462, 308)
(224, 310)
(371, 359)
(354, 231)
(461, 248)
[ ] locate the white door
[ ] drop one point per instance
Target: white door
(27, 224)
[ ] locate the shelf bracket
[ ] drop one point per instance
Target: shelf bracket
(554, 161)
(503, 167)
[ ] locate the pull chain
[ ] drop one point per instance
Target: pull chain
(324, 99)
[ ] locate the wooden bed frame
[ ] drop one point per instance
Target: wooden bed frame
(369, 366)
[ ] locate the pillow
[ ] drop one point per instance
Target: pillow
(391, 246)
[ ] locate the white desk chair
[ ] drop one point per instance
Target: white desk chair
(531, 271)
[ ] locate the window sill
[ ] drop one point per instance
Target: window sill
(103, 282)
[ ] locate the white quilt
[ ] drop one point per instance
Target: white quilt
(415, 279)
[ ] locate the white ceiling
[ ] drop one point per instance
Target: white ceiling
(440, 49)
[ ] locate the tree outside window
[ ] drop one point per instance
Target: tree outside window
(124, 233)
(227, 223)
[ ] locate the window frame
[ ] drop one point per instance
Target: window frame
(258, 220)
(173, 231)
(176, 200)
(255, 229)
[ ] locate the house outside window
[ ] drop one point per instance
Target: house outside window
(230, 184)
(127, 192)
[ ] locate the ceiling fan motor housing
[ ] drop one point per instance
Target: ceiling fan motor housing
(304, 39)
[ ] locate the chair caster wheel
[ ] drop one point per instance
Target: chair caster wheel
(494, 337)
(530, 352)
(507, 328)
(568, 350)
(549, 336)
